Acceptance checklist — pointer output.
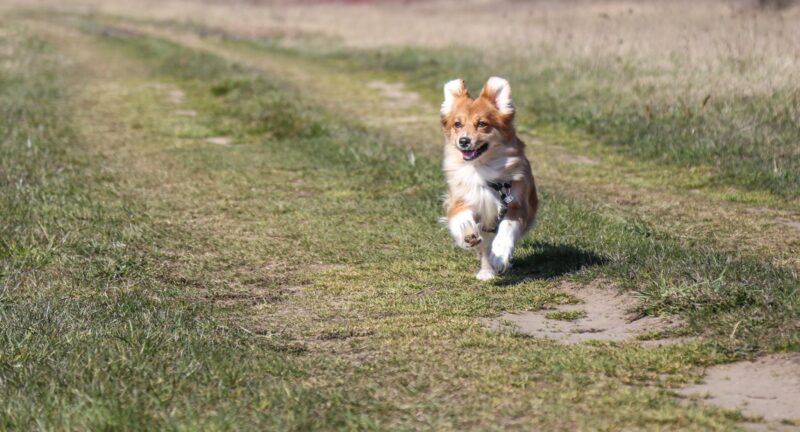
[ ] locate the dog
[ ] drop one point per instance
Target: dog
(491, 199)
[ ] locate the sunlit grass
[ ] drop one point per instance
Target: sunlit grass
(297, 278)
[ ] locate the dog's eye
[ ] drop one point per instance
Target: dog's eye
(458, 125)
(481, 125)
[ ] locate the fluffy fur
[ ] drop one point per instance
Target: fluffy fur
(482, 146)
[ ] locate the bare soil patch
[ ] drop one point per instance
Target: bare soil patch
(605, 313)
(176, 96)
(793, 224)
(562, 154)
(768, 388)
(185, 113)
(171, 92)
(220, 140)
(394, 92)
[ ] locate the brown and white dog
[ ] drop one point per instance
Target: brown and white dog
(491, 200)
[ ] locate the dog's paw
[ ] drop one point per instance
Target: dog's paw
(468, 236)
(501, 254)
(472, 239)
(501, 262)
(485, 275)
(465, 231)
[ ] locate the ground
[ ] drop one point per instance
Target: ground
(226, 217)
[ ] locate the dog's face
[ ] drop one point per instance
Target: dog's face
(477, 128)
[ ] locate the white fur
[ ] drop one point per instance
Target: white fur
(471, 184)
(485, 274)
(460, 225)
(501, 90)
(484, 250)
(452, 89)
(469, 181)
(508, 232)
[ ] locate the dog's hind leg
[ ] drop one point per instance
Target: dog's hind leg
(484, 255)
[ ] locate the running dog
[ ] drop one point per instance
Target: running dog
(491, 200)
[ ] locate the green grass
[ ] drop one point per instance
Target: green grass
(747, 141)
(738, 147)
(565, 315)
(673, 275)
(299, 279)
(94, 334)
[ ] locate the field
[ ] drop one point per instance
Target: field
(225, 217)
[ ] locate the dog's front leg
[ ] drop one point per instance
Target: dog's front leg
(484, 254)
(464, 229)
(508, 232)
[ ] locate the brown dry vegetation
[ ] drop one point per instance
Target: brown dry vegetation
(705, 37)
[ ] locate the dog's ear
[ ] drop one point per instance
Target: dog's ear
(498, 90)
(453, 90)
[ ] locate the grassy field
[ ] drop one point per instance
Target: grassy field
(209, 230)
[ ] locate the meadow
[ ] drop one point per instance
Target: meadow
(227, 218)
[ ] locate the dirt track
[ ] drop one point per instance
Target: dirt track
(393, 328)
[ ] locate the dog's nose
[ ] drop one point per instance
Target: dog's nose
(463, 142)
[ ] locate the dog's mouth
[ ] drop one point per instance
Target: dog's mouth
(469, 155)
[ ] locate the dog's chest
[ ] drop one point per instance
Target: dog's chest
(470, 184)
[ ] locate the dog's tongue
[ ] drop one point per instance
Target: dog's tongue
(470, 154)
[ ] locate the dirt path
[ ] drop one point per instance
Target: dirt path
(604, 313)
(754, 231)
(133, 122)
(612, 182)
(201, 202)
(767, 388)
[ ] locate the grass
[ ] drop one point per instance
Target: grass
(565, 315)
(95, 335)
(298, 278)
(665, 270)
(743, 140)
(747, 141)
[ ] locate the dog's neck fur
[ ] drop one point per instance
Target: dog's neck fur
(470, 179)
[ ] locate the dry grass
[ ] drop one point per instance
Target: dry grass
(719, 79)
(386, 333)
(653, 194)
(718, 46)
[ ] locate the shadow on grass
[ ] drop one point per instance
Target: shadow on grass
(547, 260)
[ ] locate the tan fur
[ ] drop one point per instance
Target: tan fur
(455, 206)
(483, 123)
